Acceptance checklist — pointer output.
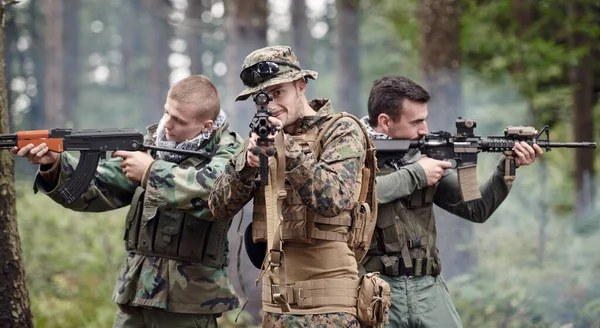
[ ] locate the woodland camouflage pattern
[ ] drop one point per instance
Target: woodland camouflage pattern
(153, 281)
(326, 186)
(329, 320)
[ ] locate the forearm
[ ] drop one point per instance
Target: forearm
(400, 183)
(232, 189)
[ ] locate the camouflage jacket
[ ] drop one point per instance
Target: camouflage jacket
(325, 185)
(148, 280)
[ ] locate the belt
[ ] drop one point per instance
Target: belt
(394, 266)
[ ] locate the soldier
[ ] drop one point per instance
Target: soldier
(175, 272)
(403, 247)
(308, 252)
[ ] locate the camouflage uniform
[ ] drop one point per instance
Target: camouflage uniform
(152, 289)
(421, 300)
(324, 185)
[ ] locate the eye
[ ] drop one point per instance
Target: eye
(276, 93)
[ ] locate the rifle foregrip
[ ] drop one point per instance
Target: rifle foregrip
(84, 173)
(510, 168)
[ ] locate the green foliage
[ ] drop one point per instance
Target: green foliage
(71, 261)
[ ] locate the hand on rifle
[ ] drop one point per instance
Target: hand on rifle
(134, 164)
(252, 158)
(434, 169)
(525, 154)
(37, 155)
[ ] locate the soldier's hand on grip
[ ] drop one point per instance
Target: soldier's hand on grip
(36, 155)
(434, 169)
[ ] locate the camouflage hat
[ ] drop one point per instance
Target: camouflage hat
(278, 54)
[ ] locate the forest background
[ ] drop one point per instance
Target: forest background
(109, 63)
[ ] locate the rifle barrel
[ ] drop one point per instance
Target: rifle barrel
(566, 144)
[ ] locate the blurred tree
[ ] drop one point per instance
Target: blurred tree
(159, 38)
(582, 81)
(347, 57)
(14, 298)
(439, 49)
(36, 58)
(54, 62)
(10, 55)
(300, 33)
(71, 68)
(194, 30)
(246, 31)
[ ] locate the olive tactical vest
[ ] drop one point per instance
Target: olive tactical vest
(175, 234)
(404, 240)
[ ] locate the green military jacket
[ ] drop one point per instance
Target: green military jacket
(151, 281)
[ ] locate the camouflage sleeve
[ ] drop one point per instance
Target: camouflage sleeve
(170, 186)
(400, 183)
(234, 188)
(493, 193)
(326, 186)
(108, 190)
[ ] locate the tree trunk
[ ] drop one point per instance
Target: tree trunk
(159, 40)
(246, 31)
(301, 38)
(439, 49)
(54, 83)
(10, 54)
(194, 29)
(71, 71)
(14, 299)
(347, 57)
(35, 117)
(581, 79)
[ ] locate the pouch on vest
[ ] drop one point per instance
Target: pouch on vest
(374, 300)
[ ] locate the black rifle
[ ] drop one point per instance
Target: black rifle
(92, 145)
(462, 148)
(263, 128)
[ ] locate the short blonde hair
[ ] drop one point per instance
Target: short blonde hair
(198, 90)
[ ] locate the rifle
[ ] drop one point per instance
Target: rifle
(263, 128)
(462, 148)
(92, 145)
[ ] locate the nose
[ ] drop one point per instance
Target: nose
(423, 129)
(168, 122)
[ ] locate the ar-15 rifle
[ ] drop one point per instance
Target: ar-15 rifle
(92, 145)
(461, 150)
(263, 128)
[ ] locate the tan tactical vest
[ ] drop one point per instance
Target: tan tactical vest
(300, 225)
(174, 234)
(404, 240)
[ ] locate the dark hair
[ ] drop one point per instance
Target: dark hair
(388, 94)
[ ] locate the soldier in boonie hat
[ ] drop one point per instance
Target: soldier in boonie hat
(270, 66)
(315, 174)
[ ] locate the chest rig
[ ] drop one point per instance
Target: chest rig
(298, 224)
(404, 240)
(175, 234)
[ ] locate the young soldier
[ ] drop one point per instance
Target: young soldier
(308, 249)
(175, 272)
(403, 247)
